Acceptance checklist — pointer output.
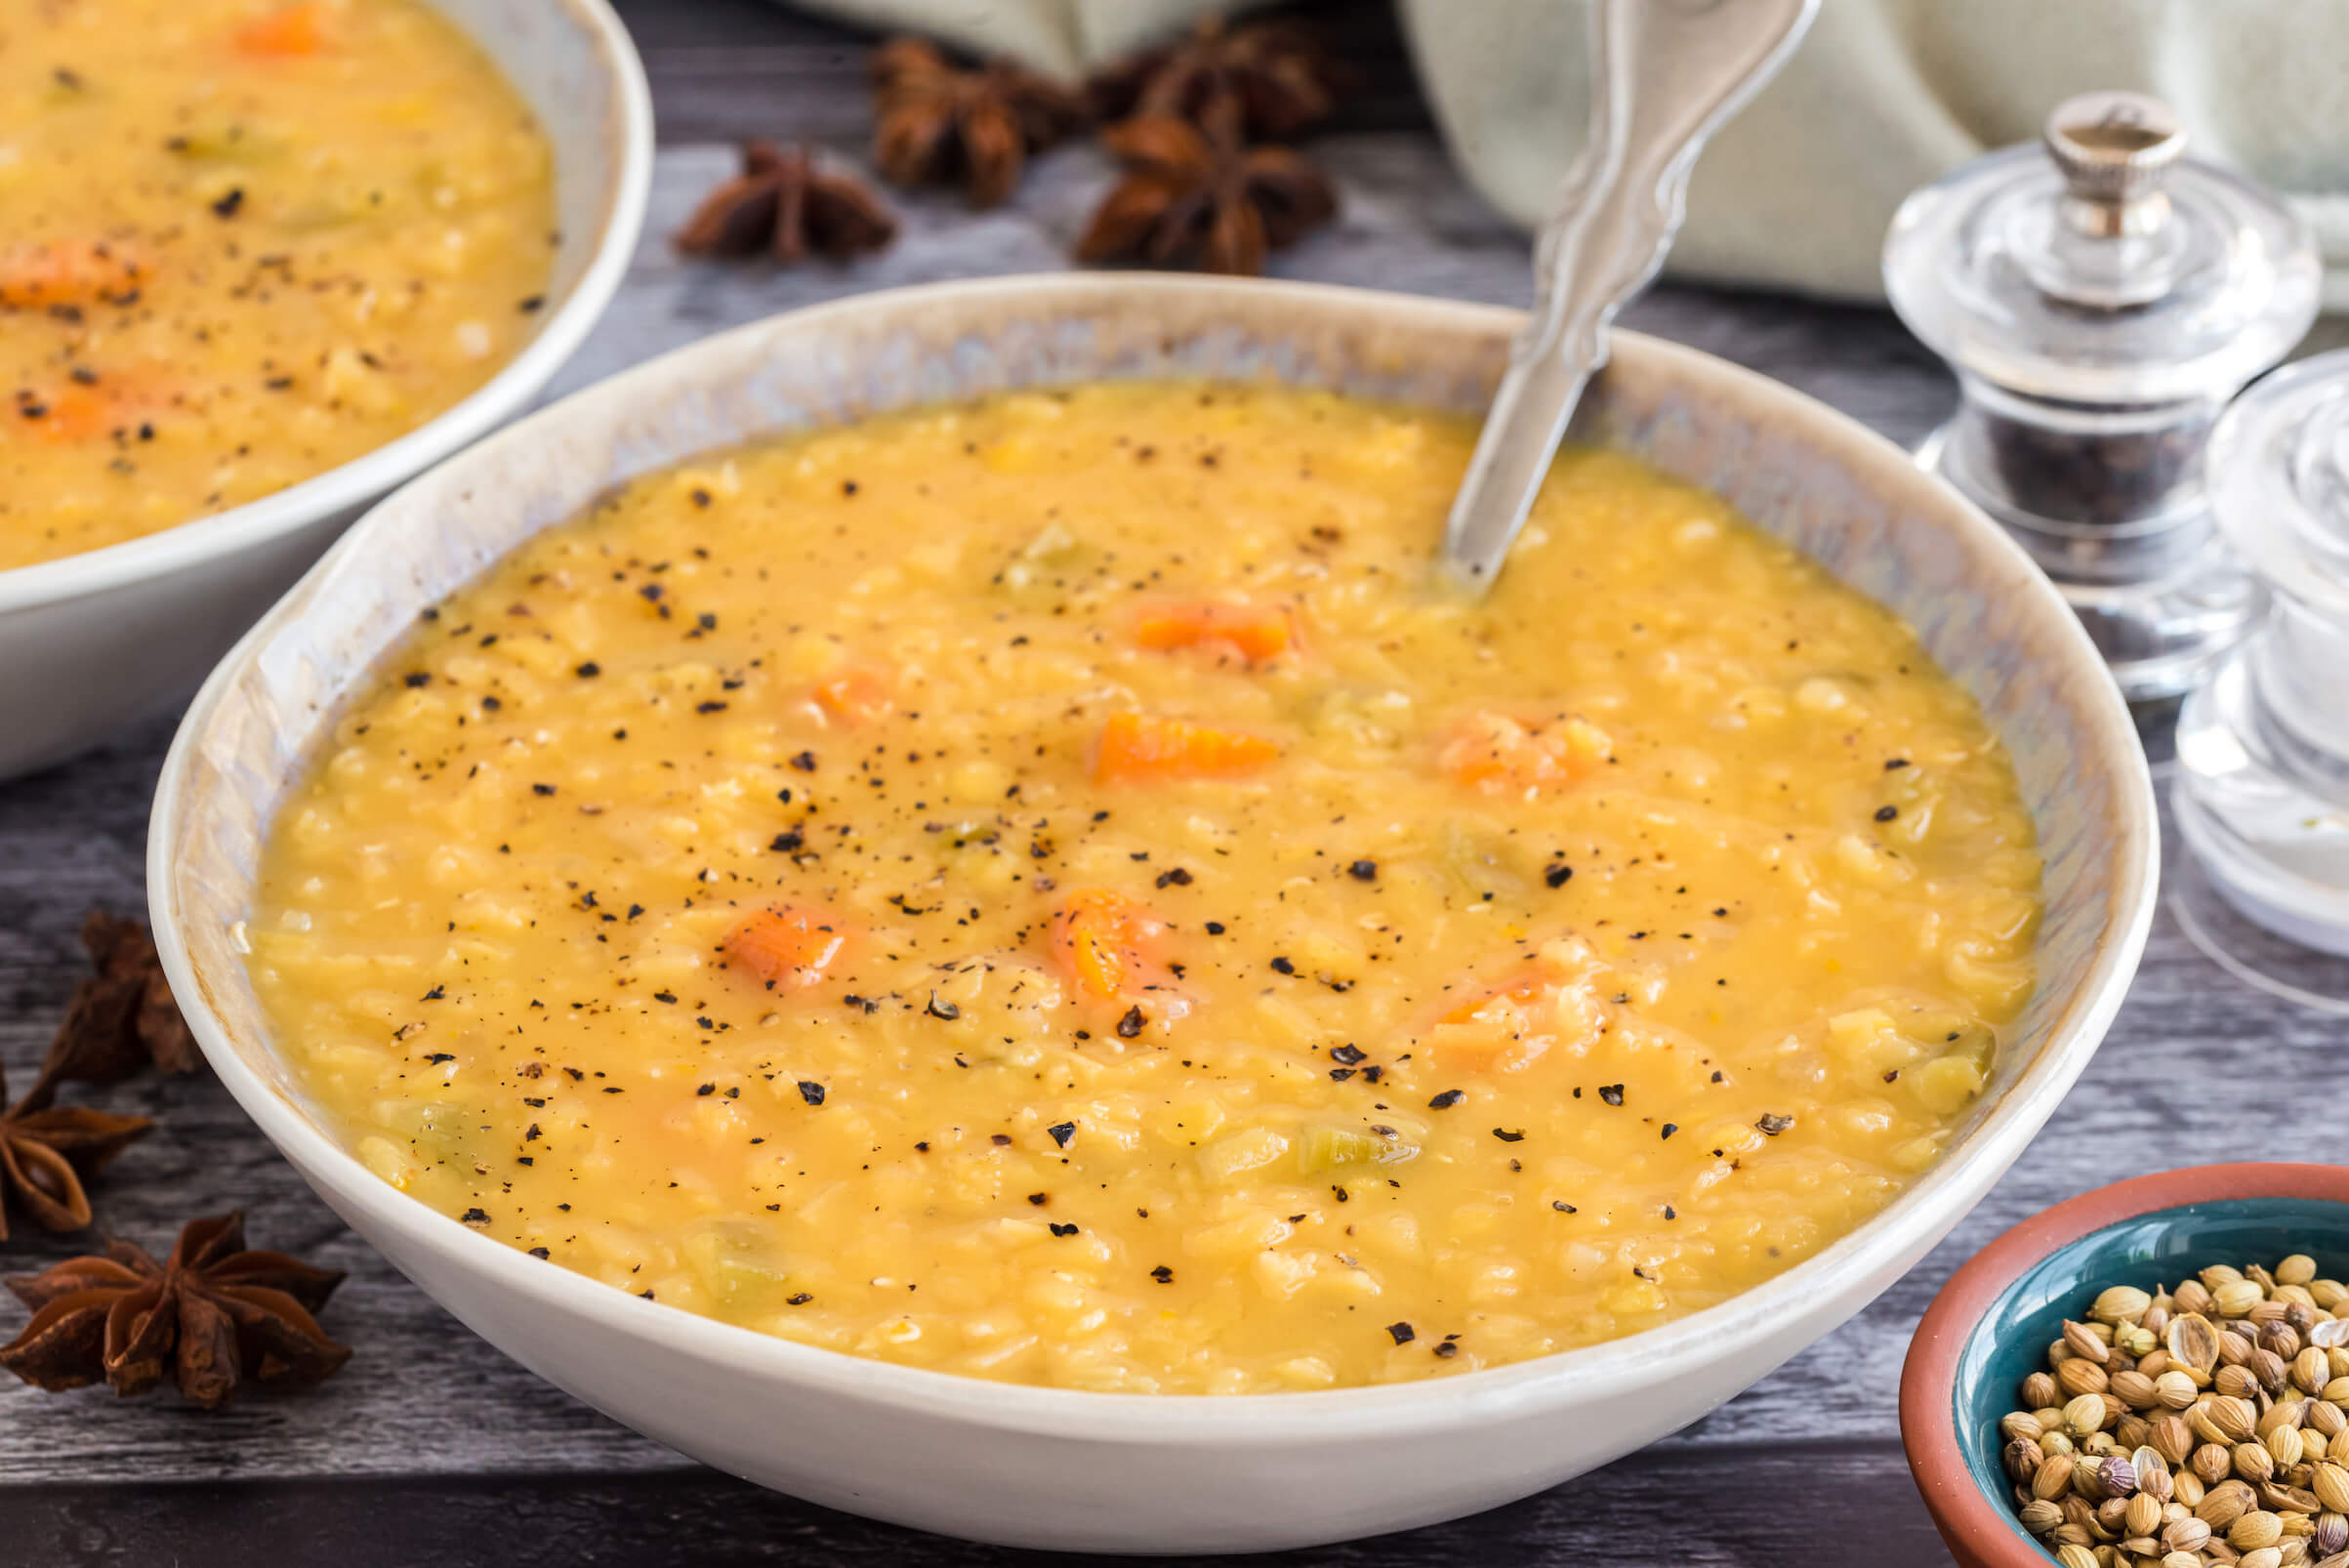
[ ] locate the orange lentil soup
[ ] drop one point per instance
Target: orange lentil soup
(1040, 890)
(246, 242)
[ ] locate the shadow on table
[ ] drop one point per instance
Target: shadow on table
(1802, 1506)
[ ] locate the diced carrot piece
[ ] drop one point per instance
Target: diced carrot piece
(1103, 941)
(68, 271)
(1508, 1023)
(1497, 1030)
(789, 946)
(1496, 1051)
(62, 415)
(1139, 746)
(1518, 990)
(294, 33)
(1493, 751)
(861, 694)
(85, 411)
(1257, 635)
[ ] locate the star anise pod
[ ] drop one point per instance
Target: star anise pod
(122, 1018)
(47, 1151)
(212, 1312)
(1274, 75)
(1194, 197)
(938, 123)
(786, 205)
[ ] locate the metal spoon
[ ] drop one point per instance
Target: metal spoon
(1669, 73)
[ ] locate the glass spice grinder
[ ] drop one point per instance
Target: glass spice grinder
(2101, 296)
(2262, 788)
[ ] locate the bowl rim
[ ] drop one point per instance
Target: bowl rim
(1983, 1530)
(1606, 1370)
(374, 472)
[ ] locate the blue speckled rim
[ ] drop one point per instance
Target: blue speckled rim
(1990, 1328)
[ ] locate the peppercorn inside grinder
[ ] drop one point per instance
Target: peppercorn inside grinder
(2262, 787)
(2101, 296)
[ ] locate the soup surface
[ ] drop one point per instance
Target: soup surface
(245, 243)
(1038, 889)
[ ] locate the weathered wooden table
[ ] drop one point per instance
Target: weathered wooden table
(433, 1448)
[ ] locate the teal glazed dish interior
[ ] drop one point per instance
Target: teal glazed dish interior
(1991, 1325)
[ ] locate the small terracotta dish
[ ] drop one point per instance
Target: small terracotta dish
(1991, 1325)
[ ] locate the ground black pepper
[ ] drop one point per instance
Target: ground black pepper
(2091, 476)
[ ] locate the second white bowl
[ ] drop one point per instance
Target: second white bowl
(94, 642)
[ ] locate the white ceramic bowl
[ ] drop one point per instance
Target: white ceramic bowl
(1052, 1467)
(93, 642)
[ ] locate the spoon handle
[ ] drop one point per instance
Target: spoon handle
(1666, 74)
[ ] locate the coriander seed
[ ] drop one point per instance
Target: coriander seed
(2196, 1425)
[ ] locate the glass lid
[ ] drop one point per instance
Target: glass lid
(2103, 266)
(2279, 475)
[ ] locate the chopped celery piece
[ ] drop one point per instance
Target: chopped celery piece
(229, 143)
(436, 1129)
(739, 1265)
(1327, 1148)
(1047, 561)
(1476, 864)
(969, 832)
